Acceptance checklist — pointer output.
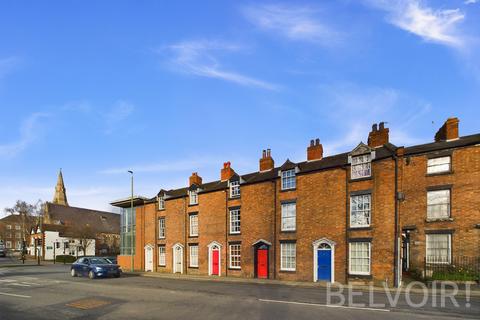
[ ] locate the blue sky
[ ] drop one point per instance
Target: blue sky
(165, 89)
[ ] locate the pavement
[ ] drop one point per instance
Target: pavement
(49, 292)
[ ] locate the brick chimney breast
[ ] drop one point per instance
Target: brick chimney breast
(195, 179)
(315, 150)
(227, 172)
(378, 136)
(449, 130)
(266, 162)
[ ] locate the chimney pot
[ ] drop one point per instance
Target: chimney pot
(315, 150)
(195, 179)
(266, 162)
(378, 136)
(227, 172)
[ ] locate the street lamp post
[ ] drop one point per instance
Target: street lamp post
(131, 222)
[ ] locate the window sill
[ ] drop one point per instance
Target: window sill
(234, 268)
(161, 266)
(163, 209)
(163, 238)
(287, 190)
(193, 236)
(234, 234)
(439, 220)
(360, 179)
(192, 204)
(234, 198)
(192, 267)
(288, 271)
(288, 231)
(360, 228)
(360, 275)
(443, 173)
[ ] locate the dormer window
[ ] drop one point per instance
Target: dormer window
(193, 194)
(361, 166)
(234, 189)
(161, 203)
(288, 179)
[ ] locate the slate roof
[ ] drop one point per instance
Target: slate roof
(335, 161)
(100, 221)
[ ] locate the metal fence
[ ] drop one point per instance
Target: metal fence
(459, 268)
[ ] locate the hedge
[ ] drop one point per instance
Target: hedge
(65, 258)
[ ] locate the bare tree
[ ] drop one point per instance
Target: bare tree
(30, 215)
(86, 234)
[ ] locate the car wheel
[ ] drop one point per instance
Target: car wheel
(73, 273)
(91, 275)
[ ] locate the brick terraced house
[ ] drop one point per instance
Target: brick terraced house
(362, 216)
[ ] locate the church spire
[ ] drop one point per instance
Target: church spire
(60, 196)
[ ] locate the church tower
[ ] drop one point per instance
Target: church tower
(60, 196)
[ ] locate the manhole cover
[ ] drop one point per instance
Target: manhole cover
(86, 304)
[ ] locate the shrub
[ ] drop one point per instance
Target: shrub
(65, 258)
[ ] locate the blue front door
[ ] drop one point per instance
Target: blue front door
(324, 265)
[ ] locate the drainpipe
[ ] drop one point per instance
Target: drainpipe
(275, 229)
(347, 213)
(396, 281)
(184, 264)
(226, 235)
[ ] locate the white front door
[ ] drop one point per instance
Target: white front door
(178, 259)
(148, 258)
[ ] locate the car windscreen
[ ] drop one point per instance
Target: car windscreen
(98, 261)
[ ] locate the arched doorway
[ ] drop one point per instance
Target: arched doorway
(214, 259)
(178, 258)
(324, 260)
(261, 258)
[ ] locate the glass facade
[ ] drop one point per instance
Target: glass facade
(127, 224)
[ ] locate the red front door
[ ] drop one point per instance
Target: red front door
(262, 263)
(215, 266)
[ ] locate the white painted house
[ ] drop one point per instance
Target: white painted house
(56, 240)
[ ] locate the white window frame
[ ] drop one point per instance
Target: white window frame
(438, 259)
(288, 215)
(431, 206)
(235, 256)
(350, 258)
(8, 244)
(235, 221)
(9, 227)
(234, 189)
(193, 253)
(161, 228)
(193, 219)
(17, 227)
(162, 256)
(367, 213)
(361, 166)
(193, 197)
(289, 179)
(286, 257)
(161, 203)
(439, 165)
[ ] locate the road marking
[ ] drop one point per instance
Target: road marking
(8, 280)
(14, 295)
(323, 305)
(18, 284)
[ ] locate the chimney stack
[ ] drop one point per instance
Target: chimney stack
(315, 150)
(266, 162)
(227, 172)
(195, 179)
(378, 136)
(449, 130)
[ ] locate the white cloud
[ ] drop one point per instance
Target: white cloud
(29, 132)
(198, 58)
(168, 166)
(353, 109)
(433, 25)
(120, 111)
(6, 65)
(467, 2)
(293, 22)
